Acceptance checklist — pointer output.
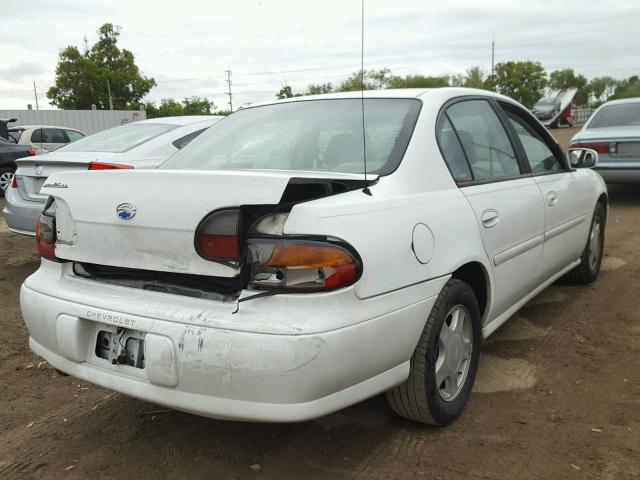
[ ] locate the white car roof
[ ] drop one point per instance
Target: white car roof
(622, 101)
(183, 120)
(443, 93)
(25, 127)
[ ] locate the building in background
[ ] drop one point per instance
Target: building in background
(87, 121)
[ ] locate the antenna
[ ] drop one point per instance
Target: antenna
(364, 138)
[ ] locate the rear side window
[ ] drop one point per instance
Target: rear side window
(182, 142)
(539, 156)
(453, 154)
(484, 140)
(49, 135)
(73, 135)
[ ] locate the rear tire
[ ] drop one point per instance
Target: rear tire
(424, 396)
(591, 258)
(6, 174)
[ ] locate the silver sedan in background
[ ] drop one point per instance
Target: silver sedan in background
(614, 132)
(144, 144)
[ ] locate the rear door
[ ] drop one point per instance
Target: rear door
(505, 199)
(565, 192)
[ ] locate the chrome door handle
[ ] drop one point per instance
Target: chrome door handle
(552, 198)
(490, 218)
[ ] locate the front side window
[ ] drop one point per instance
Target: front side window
(312, 135)
(539, 156)
(119, 139)
(484, 140)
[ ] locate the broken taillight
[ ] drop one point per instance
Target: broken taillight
(273, 260)
(300, 265)
(46, 231)
(217, 236)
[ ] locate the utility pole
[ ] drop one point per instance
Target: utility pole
(86, 45)
(493, 55)
(110, 100)
(35, 93)
(228, 73)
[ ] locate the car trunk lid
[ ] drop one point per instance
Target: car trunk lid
(33, 172)
(168, 205)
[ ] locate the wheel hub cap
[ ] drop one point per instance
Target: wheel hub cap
(5, 180)
(455, 345)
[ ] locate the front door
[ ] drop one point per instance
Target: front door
(506, 201)
(564, 194)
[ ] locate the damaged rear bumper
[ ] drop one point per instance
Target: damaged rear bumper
(275, 366)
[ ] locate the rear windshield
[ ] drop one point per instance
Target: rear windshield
(617, 116)
(118, 139)
(313, 135)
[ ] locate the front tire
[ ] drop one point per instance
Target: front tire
(445, 361)
(591, 258)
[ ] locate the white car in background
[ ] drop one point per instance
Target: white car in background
(139, 145)
(259, 274)
(614, 132)
(44, 138)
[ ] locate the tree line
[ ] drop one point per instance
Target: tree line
(524, 81)
(105, 76)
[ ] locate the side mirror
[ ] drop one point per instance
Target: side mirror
(582, 158)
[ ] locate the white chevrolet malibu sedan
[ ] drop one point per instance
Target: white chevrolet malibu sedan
(262, 274)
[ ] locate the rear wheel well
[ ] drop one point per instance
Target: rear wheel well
(475, 276)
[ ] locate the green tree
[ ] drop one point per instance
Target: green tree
(628, 88)
(418, 81)
(170, 108)
(567, 78)
(373, 80)
(522, 81)
(285, 92)
(197, 106)
(474, 78)
(319, 88)
(602, 88)
(150, 108)
(83, 80)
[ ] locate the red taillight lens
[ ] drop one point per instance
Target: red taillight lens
(31, 151)
(46, 236)
(600, 147)
(217, 236)
(301, 265)
(108, 166)
(14, 182)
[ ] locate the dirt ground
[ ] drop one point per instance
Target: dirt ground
(558, 396)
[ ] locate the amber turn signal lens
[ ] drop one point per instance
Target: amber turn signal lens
(304, 254)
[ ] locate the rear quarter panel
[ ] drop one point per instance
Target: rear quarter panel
(380, 227)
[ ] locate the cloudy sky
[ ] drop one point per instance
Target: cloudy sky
(187, 46)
